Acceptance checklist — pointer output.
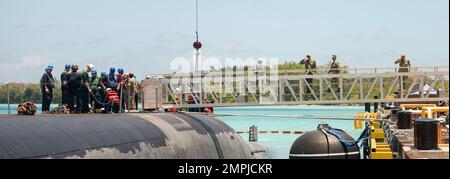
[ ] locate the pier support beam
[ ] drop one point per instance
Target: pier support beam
(367, 107)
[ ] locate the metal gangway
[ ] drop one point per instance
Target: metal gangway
(249, 86)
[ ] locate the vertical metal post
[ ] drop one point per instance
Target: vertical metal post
(258, 92)
(180, 95)
(121, 95)
(341, 88)
(361, 89)
(375, 105)
(421, 89)
(401, 87)
(156, 98)
(128, 102)
(282, 88)
(301, 89)
(382, 88)
(201, 88)
(8, 96)
(367, 107)
(443, 91)
(246, 84)
(141, 89)
(253, 134)
(321, 89)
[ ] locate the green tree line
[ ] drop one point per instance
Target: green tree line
(21, 92)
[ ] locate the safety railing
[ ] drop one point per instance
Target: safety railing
(272, 87)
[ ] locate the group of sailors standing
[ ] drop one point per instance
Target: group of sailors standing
(86, 92)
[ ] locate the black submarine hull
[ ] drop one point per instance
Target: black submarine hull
(119, 136)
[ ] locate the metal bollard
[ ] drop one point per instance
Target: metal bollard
(253, 134)
(8, 96)
(368, 107)
(375, 105)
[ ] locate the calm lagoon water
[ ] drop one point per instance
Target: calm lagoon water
(278, 145)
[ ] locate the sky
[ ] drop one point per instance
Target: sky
(144, 36)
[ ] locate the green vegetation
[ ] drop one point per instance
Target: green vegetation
(21, 92)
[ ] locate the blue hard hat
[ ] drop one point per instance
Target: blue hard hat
(50, 67)
(94, 72)
(120, 70)
(103, 74)
(112, 70)
(68, 66)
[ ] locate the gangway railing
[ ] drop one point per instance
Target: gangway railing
(237, 87)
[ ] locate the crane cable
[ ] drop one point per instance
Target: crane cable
(196, 18)
(197, 50)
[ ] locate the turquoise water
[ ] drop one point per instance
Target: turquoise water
(278, 145)
(13, 108)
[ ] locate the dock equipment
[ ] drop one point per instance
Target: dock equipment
(119, 136)
(404, 119)
(360, 117)
(415, 106)
(253, 134)
(428, 112)
(426, 132)
(325, 143)
(379, 149)
(273, 132)
(249, 87)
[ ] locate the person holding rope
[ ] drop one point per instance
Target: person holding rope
(94, 85)
(64, 87)
(108, 84)
(101, 92)
(86, 90)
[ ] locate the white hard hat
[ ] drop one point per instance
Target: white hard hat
(91, 66)
(108, 89)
